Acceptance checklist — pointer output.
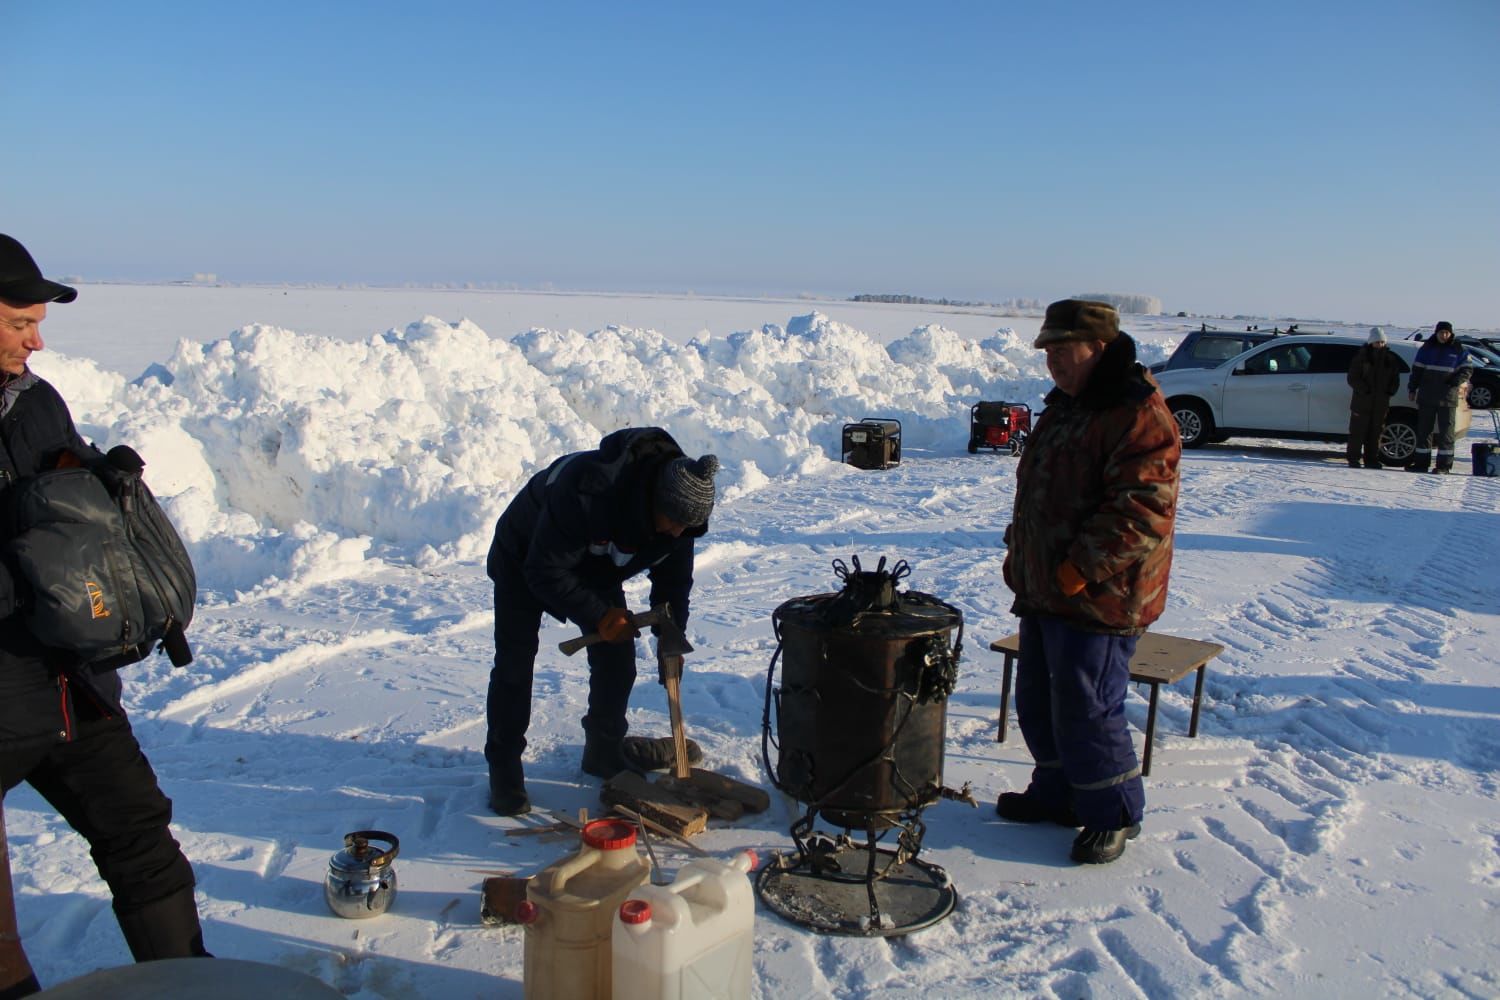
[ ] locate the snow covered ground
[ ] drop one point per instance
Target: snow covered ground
(1332, 831)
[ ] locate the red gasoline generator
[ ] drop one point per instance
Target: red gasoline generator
(999, 425)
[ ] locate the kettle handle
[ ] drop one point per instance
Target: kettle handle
(360, 837)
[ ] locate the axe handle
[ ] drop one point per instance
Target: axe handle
(672, 681)
(645, 619)
(573, 645)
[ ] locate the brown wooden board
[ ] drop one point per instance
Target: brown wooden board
(701, 783)
(630, 789)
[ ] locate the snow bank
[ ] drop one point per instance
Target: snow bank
(287, 459)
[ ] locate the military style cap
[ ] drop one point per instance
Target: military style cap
(1079, 319)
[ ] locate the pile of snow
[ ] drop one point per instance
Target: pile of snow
(287, 459)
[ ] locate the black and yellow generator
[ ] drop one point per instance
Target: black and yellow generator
(873, 443)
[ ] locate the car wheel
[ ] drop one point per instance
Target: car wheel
(1398, 440)
(1193, 422)
(1481, 397)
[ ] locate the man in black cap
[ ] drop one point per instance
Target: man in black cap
(62, 726)
(1439, 379)
(565, 546)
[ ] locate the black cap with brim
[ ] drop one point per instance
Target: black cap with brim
(21, 280)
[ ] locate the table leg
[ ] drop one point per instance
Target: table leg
(1197, 700)
(1150, 730)
(1010, 662)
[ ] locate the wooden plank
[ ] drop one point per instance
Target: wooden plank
(636, 817)
(752, 798)
(631, 790)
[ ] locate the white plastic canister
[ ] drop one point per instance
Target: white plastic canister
(691, 939)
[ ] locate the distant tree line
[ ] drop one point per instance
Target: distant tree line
(1140, 305)
(918, 300)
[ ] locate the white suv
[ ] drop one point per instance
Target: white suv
(1290, 387)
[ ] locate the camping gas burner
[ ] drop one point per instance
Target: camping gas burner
(860, 720)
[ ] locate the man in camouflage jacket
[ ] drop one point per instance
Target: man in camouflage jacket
(1089, 551)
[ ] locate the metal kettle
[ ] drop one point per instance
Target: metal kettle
(361, 880)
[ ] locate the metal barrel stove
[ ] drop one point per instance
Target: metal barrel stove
(859, 728)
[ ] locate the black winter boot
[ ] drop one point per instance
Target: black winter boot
(1095, 846)
(165, 928)
(1418, 463)
(508, 789)
(21, 988)
(657, 753)
(1019, 807)
(604, 757)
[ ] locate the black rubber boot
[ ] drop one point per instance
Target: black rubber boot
(165, 928)
(508, 789)
(647, 753)
(1099, 847)
(21, 988)
(1418, 464)
(604, 757)
(1020, 807)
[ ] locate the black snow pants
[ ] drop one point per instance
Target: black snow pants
(102, 784)
(1070, 703)
(518, 619)
(1365, 425)
(1435, 432)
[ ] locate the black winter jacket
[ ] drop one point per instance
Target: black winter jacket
(43, 693)
(584, 525)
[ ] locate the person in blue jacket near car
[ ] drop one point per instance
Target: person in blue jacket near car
(1439, 379)
(564, 547)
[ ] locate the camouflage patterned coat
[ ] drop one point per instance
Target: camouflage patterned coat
(1097, 486)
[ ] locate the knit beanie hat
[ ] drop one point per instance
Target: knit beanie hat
(1443, 325)
(1377, 336)
(1079, 319)
(685, 489)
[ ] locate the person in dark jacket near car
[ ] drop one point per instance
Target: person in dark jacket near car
(565, 546)
(62, 727)
(1374, 375)
(1089, 549)
(1439, 379)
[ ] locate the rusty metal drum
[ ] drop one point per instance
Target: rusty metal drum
(862, 709)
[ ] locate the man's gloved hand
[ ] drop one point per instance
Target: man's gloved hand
(617, 626)
(1069, 579)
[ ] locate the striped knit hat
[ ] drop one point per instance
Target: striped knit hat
(685, 490)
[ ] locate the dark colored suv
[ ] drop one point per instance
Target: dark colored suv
(1208, 347)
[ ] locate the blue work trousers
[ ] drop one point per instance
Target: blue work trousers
(1070, 702)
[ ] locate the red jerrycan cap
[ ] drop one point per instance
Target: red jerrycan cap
(609, 834)
(526, 912)
(635, 911)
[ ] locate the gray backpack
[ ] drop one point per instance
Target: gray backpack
(109, 576)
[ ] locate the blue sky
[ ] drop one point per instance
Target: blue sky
(1337, 160)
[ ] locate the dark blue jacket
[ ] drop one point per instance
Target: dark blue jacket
(43, 694)
(1438, 371)
(584, 525)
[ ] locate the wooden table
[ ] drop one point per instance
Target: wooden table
(1159, 659)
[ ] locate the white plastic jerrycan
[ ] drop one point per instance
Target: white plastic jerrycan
(690, 940)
